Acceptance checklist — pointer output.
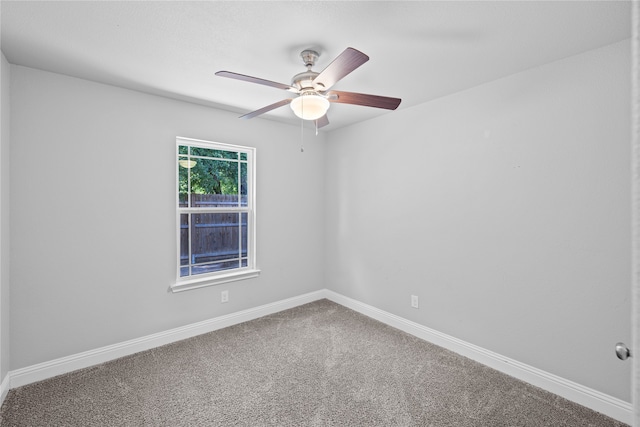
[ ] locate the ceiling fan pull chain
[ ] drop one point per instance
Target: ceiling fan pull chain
(301, 136)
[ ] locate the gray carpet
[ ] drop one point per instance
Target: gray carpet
(319, 364)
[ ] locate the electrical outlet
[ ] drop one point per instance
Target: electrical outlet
(414, 301)
(224, 296)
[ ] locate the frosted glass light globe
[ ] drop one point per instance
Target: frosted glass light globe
(310, 106)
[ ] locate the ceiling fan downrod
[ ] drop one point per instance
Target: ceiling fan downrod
(309, 57)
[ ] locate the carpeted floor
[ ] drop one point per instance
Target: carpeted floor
(319, 364)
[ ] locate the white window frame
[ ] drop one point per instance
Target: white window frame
(225, 276)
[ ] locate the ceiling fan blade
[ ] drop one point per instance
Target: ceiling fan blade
(363, 99)
(322, 121)
(250, 79)
(345, 63)
(266, 109)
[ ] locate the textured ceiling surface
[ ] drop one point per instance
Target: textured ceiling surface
(418, 51)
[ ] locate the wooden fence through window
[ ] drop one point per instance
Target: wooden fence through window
(214, 236)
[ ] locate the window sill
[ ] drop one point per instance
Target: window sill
(201, 282)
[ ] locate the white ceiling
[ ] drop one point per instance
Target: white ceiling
(419, 50)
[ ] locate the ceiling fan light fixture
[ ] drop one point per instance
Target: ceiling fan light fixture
(310, 106)
(314, 97)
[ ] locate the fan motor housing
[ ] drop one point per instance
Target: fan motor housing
(304, 80)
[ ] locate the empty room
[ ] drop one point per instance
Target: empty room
(287, 213)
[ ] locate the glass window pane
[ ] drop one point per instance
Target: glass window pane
(186, 162)
(215, 240)
(215, 266)
(244, 229)
(243, 184)
(183, 183)
(217, 154)
(214, 183)
(184, 243)
(183, 149)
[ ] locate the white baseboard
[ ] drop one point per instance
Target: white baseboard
(63, 365)
(593, 399)
(4, 387)
(585, 396)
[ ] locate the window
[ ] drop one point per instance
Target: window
(215, 213)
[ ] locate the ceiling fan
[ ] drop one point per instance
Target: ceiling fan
(314, 96)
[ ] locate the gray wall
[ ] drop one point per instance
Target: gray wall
(505, 208)
(93, 214)
(4, 217)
